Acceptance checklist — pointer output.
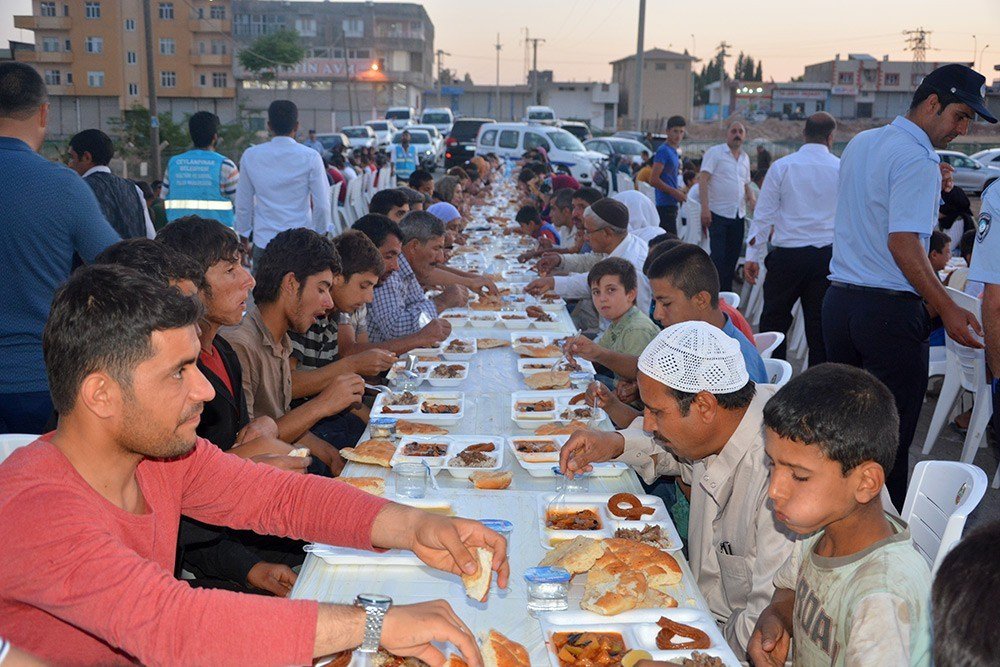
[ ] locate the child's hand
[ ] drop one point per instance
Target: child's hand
(769, 643)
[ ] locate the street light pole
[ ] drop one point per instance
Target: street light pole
(154, 120)
(640, 62)
(497, 111)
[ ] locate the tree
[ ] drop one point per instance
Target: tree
(280, 50)
(759, 74)
(131, 132)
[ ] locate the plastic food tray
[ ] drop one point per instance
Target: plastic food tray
(414, 411)
(543, 467)
(598, 502)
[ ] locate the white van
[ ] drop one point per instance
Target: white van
(539, 114)
(401, 116)
(441, 118)
(511, 140)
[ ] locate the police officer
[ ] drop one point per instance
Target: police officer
(404, 157)
(201, 182)
(986, 269)
(887, 202)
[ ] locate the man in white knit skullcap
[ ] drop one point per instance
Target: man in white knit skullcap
(704, 422)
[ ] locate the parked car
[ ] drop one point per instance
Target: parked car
(511, 140)
(401, 116)
(360, 136)
(618, 147)
(384, 129)
(437, 140)
(460, 144)
(441, 118)
(539, 114)
(421, 140)
(578, 129)
(333, 142)
(657, 139)
(990, 157)
(971, 175)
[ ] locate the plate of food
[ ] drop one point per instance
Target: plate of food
(432, 450)
(668, 634)
(459, 349)
(528, 365)
(469, 454)
(530, 409)
(457, 317)
(447, 374)
(515, 319)
(539, 456)
(541, 318)
(483, 319)
(551, 301)
(606, 515)
(438, 407)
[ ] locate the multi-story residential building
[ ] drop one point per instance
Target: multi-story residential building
(92, 55)
(667, 87)
(361, 58)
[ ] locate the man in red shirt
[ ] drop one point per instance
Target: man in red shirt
(89, 513)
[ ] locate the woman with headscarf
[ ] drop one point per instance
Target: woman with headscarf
(643, 220)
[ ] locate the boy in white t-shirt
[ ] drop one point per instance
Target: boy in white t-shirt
(856, 591)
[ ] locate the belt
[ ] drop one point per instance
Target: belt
(882, 291)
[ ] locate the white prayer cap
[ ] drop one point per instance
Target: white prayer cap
(693, 357)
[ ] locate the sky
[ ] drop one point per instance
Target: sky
(582, 36)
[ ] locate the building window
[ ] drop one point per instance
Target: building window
(68, 46)
(869, 75)
(95, 79)
(92, 10)
(168, 46)
(846, 78)
(892, 79)
(220, 80)
(50, 44)
(254, 25)
(133, 89)
(94, 44)
(53, 77)
(306, 26)
(416, 61)
(217, 12)
(131, 58)
(353, 27)
(65, 10)
(47, 9)
(168, 79)
(219, 47)
(130, 25)
(319, 52)
(661, 67)
(167, 11)
(69, 78)
(202, 80)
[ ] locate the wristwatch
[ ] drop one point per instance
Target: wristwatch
(375, 606)
(343, 318)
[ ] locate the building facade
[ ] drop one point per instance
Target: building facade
(667, 88)
(92, 56)
(361, 58)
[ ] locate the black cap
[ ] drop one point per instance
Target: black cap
(963, 82)
(611, 211)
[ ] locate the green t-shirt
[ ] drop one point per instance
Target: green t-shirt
(870, 608)
(630, 334)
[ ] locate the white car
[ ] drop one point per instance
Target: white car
(971, 175)
(511, 140)
(360, 136)
(441, 118)
(990, 157)
(437, 139)
(401, 116)
(539, 114)
(384, 129)
(421, 140)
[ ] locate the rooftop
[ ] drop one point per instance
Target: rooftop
(658, 54)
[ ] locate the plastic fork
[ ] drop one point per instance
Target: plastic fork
(434, 483)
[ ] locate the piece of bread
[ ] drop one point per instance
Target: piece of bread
(477, 586)
(498, 651)
(539, 352)
(655, 599)
(404, 427)
(491, 343)
(659, 567)
(374, 452)
(561, 429)
(576, 555)
(548, 380)
(455, 661)
(299, 452)
(492, 479)
(373, 485)
(621, 592)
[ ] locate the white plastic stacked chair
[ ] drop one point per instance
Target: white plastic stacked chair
(354, 202)
(385, 180)
(11, 441)
(767, 342)
(732, 298)
(336, 226)
(940, 498)
(797, 344)
(625, 183)
(966, 370)
(958, 278)
(752, 297)
(779, 371)
(368, 184)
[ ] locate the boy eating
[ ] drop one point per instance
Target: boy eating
(613, 288)
(532, 225)
(856, 591)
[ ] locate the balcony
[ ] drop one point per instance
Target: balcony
(224, 26)
(212, 93)
(212, 59)
(45, 56)
(42, 22)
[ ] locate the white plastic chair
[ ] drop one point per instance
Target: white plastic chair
(11, 441)
(797, 344)
(355, 200)
(767, 342)
(958, 278)
(368, 185)
(752, 297)
(779, 371)
(732, 298)
(385, 180)
(938, 362)
(648, 190)
(335, 221)
(940, 498)
(966, 369)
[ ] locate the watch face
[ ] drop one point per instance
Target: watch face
(374, 599)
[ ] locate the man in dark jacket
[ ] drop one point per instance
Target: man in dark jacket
(121, 200)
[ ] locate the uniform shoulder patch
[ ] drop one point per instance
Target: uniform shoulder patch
(983, 227)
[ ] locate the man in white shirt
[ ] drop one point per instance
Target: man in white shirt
(606, 228)
(798, 201)
(725, 191)
(279, 182)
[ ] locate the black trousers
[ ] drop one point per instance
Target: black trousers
(725, 238)
(668, 217)
(793, 274)
(887, 336)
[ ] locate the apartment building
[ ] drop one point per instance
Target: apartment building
(667, 87)
(361, 58)
(92, 56)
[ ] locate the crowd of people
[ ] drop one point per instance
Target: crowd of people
(177, 348)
